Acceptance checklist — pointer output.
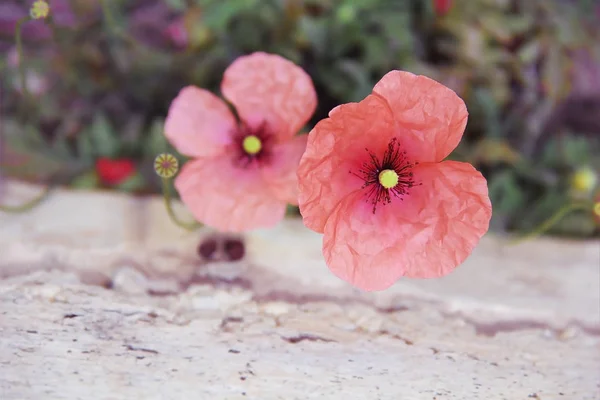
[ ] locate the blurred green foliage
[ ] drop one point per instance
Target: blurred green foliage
(529, 72)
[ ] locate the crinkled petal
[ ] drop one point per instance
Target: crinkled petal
(226, 197)
(425, 235)
(429, 113)
(199, 123)
(281, 172)
(268, 87)
(335, 151)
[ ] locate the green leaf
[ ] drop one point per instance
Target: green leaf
(505, 193)
(61, 149)
(576, 150)
(218, 15)
(33, 137)
(315, 31)
(554, 73)
(132, 184)
(88, 180)
(356, 72)
(85, 146)
(156, 142)
(489, 108)
(530, 52)
(178, 5)
(103, 138)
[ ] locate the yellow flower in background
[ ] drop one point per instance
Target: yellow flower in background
(39, 10)
(166, 165)
(596, 208)
(584, 180)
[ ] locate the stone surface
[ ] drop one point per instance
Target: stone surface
(102, 297)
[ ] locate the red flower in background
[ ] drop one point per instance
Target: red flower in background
(442, 7)
(114, 172)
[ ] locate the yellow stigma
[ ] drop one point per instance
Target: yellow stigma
(597, 209)
(388, 178)
(252, 145)
(40, 9)
(584, 180)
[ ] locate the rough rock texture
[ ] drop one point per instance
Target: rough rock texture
(101, 297)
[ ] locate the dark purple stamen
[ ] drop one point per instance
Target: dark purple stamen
(263, 133)
(393, 159)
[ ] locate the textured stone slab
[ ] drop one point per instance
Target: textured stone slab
(513, 322)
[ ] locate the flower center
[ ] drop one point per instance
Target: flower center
(388, 178)
(252, 145)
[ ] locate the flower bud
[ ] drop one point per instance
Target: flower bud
(39, 10)
(584, 180)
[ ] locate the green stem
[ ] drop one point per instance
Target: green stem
(22, 71)
(550, 222)
(27, 206)
(108, 17)
(116, 31)
(190, 226)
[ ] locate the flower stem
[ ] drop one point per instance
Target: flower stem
(29, 205)
(550, 222)
(189, 226)
(113, 27)
(22, 71)
(110, 21)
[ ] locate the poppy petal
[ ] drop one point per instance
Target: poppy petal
(268, 87)
(226, 197)
(426, 235)
(199, 123)
(281, 174)
(335, 149)
(432, 115)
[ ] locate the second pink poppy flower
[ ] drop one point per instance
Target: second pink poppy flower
(243, 173)
(374, 181)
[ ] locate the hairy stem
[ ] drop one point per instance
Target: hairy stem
(114, 28)
(553, 220)
(27, 206)
(22, 71)
(189, 226)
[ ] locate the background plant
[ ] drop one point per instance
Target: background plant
(102, 74)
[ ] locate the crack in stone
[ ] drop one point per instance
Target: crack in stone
(306, 337)
(491, 329)
(132, 348)
(385, 332)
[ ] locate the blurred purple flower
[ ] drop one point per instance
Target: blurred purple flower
(177, 33)
(585, 73)
(37, 84)
(156, 25)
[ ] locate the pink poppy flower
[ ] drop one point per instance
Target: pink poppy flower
(243, 174)
(373, 181)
